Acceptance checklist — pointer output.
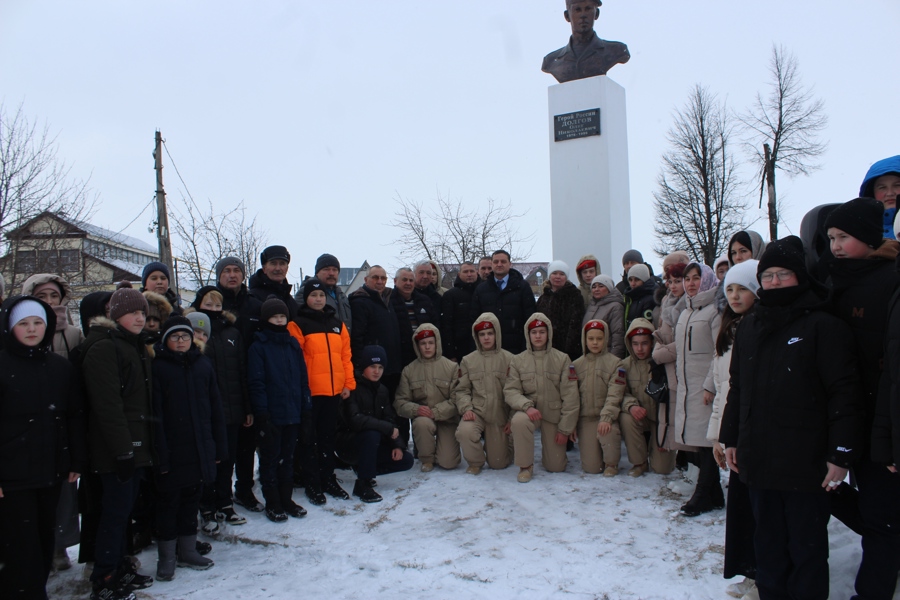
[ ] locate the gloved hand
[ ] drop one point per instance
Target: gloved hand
(125, 467)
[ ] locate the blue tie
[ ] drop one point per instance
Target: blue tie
(501, 283)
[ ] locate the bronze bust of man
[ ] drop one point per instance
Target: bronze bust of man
(586, 55)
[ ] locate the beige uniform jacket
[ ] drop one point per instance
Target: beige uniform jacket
(428, 382)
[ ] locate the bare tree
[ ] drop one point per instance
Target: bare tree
(782, 129)
(696, 204)
(204, 237)
(451, 232)
(33, 179)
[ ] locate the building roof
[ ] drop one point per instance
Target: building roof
(119, 238)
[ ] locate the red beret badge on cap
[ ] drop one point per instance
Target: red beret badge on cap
(639, 331)
(425, 333)
(536, 323)
(586, 264)
(483, 325)
(594, 325)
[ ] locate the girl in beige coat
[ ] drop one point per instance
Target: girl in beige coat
(479, 399)
(664, 349)
(424, 395)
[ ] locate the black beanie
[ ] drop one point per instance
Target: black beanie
(271, 307)
(153, 267)
(176, 323)
(310, 285)
(786, 253)
(275, 252)
(201, 293)
(327, 260)
(373, 355)
(862, 218)
(227, 262)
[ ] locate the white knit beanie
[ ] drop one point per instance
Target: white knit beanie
(604, 280)
(743, 274)
(558, 265)
(640, 271)
(25, 309)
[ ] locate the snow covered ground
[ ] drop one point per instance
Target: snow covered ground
(456, 536)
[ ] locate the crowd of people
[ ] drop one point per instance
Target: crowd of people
(780, 363)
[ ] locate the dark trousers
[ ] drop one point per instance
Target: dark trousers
(316, 447)
(740, 557)
(217, 495)
(374, 451)
(176, 511)
(115, 512)
(879, 505)
(247, 442)
(90, 504)
(276, 460)
(404, 425)
(27, 531)
(791, 542)
(67, 532)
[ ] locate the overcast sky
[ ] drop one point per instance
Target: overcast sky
(319, 114)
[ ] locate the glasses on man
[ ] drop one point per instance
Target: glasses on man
(180, 337)
(781, 275)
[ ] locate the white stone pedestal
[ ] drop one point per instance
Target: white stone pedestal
(590, 205)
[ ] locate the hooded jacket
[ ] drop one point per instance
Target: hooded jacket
(428, 382)
(545, 380)
(115, 367)
(565, 309)
(326, 349)
(585, 286)
(67, 337)
(482, 374)
(159, 306)
(42, 429)
(261, 287)
(794, 398)
(374, 324)
(425, 312)
(512, 306)
(457, 318)
(601, 382)
(885, 166)
(276, 377)
(695, 346)
(189, 425)
(225, 348)
(611, 310)
(638, 375)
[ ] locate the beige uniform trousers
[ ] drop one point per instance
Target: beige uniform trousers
(636, 444)
(598, 451)
(436, 442)
(553, 455)
(496, 443)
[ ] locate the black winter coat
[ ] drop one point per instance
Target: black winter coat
(640, 302)
(794, 401)
(42, 428)
(115, 367)
(861, 293)
(565, 309)
(277, 379)
(190, 428)
(261, 287)
(374, 324)
(246, 308)
(457, 319)
(512, 307)
(225, 348)
(885, 438)
(425, 312)
(368, 407)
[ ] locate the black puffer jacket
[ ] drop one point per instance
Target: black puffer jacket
(261, 287)
(794, 401)
(457, 318)
(374, 324)
(885, 438)
(425, 313)
(512, 307)
(640, 302)
(247, 309)
(225, 348)
(368, 407)
(42, 429)
(565, 309)
(190, 429)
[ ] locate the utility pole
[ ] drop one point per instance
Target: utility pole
(162, 216)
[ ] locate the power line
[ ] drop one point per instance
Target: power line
(177, 172)
(143, 210)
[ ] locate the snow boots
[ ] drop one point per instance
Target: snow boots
(188, 555)
(165, 564)
(364, 492)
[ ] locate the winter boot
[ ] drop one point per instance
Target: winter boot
(203, 548)
(287, 501)
(188, 556)
(129, 578)
(364, 492)
(704, 498)
(315, 495)
(109, 588)
(333, 488)
(165, 565)
(248, 501)
(274, 509)
(208, 524)
(229, 517)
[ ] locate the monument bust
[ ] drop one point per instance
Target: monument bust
(586, 55)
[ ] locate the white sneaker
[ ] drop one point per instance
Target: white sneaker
(739, 589)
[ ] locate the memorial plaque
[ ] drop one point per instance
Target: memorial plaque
(572, 126)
